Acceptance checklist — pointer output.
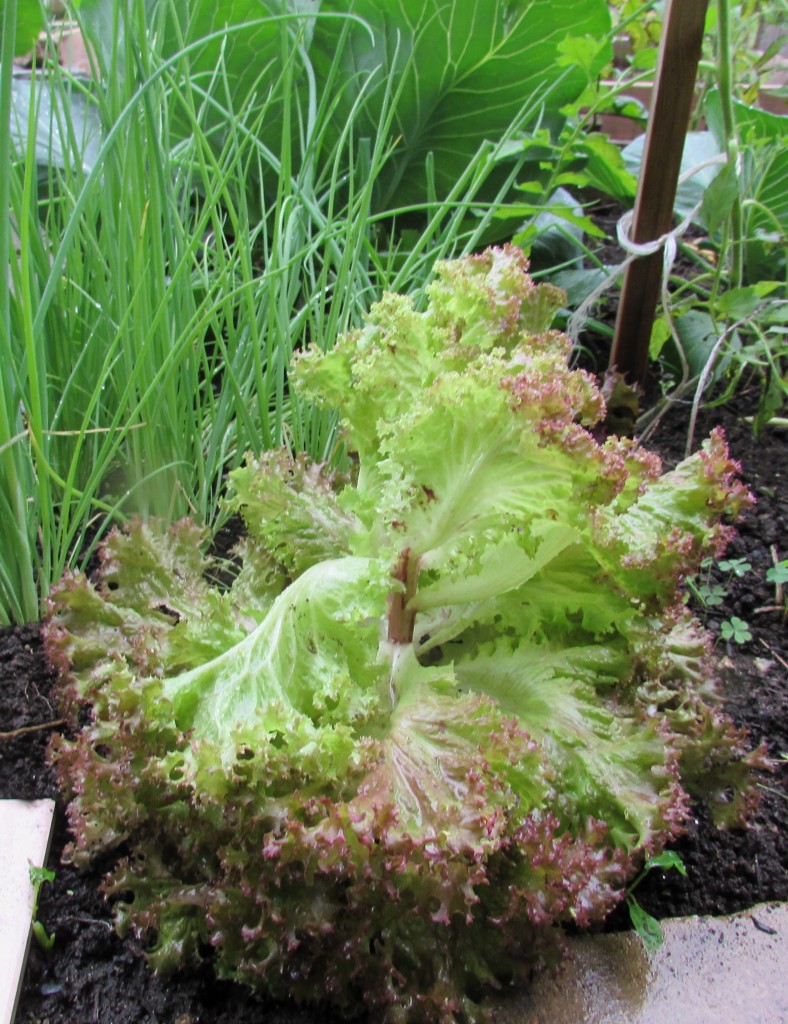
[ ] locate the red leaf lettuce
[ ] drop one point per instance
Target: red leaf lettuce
(449, 700)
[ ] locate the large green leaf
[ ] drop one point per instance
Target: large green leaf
(28, 23)
(699, 149)
(256, 38)
(435, 78)
(764, 183)
(243, 42)
(67, 122)
(464, 72)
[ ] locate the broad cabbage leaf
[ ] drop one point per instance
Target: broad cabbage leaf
(437, 79)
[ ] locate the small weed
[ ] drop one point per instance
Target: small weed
(37, 878)
(735, 629)
(734, 567)
(647, 926)
(711, 594)
(778, 575)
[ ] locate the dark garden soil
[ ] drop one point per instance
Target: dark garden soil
(93, 977)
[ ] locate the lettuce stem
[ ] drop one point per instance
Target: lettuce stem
(401, 617)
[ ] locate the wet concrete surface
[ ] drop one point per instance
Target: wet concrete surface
(726, 970)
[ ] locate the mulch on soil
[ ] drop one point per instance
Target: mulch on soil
(94, 976)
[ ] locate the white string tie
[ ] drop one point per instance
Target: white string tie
(635, 250)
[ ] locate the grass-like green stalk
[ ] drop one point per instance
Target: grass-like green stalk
(158, 290)
(18, 577)
(735, 224)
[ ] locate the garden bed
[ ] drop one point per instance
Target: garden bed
(93, 976)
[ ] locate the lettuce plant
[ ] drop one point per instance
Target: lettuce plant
(451, 697)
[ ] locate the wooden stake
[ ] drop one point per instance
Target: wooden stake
(682, 36)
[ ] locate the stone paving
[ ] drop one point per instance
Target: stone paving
(709, 970)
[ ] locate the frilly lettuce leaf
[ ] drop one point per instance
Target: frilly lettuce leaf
(448, 699)
(291, 510)
(311, 658)
(617, 763)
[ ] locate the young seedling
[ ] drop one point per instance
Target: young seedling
(645, 924)
(706, 593)
(735, 567)
(735, 629)
(709, 594)
(778, 575)
(37, 878)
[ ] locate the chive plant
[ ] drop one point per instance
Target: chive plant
(162, 275)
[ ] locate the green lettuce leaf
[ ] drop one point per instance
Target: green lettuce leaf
(449, 699)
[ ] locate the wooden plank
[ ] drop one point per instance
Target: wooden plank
(25, 828)
(667, 128)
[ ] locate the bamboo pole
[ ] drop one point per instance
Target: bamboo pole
(682, 36)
